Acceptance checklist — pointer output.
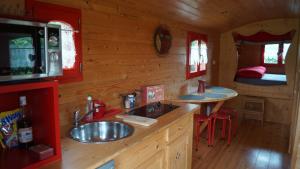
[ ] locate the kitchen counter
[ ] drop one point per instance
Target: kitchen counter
(77, 155)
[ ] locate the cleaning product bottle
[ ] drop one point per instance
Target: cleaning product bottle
(89, 108)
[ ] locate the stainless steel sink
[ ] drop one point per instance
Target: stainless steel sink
(102, 131)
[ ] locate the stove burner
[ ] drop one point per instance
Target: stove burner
(153, 110)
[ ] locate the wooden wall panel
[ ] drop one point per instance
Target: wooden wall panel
(249, 55)
(281, 96)
(118, 53)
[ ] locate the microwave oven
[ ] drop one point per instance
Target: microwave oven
(29, 50)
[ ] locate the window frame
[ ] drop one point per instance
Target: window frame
(191, 36)
(38, 11)
(279, 55)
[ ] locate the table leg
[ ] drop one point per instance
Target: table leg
(215, 109)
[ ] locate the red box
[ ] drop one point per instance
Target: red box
(153, 93)
(41, 151)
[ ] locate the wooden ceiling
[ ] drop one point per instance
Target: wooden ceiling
(220, 15)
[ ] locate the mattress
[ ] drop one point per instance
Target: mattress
(266, 80)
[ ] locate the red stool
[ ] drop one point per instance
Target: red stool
(199, 119)
(233, 115)
(224, 117)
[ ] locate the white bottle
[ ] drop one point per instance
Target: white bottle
(89, 107)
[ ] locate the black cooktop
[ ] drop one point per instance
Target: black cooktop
(153, 110)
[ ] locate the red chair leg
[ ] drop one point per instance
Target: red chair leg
(209, 132)
(213, 131)
(229, 131)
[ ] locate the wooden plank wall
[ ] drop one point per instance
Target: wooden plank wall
(294, 147)
(118, 52)
(278, 98)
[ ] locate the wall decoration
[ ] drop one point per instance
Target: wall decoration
(162, 40)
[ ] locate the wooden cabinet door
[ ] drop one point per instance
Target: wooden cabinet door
(157, 161)
(177, 153)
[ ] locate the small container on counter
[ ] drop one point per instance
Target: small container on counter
(129, 100)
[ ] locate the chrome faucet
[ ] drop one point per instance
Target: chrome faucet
(77, 118)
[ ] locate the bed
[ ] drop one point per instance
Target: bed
(267, 80)
(257, 76)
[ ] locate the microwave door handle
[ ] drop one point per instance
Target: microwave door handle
(46, 51)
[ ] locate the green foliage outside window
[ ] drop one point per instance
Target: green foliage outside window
(25, 42)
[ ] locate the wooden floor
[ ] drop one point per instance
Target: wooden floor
(254, 147)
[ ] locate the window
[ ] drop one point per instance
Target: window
(69, 20)
(271, 54)
(286, 47)
(275, 54)
(196, 55)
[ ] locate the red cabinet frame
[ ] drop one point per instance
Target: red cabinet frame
(42, 98)
(46, 12)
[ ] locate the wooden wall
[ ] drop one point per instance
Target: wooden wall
(278, 98)
(118, 53)
(249, 55)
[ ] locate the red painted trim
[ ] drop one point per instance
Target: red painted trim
(262, 54)
(280, 50)
(190, 37)
(25, 86)
(43, 100)
(49, 12)
(29, 7)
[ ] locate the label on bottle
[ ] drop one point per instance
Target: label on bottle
(23, 101)
(25, 135)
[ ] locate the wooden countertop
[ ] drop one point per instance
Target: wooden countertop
(77, 155)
